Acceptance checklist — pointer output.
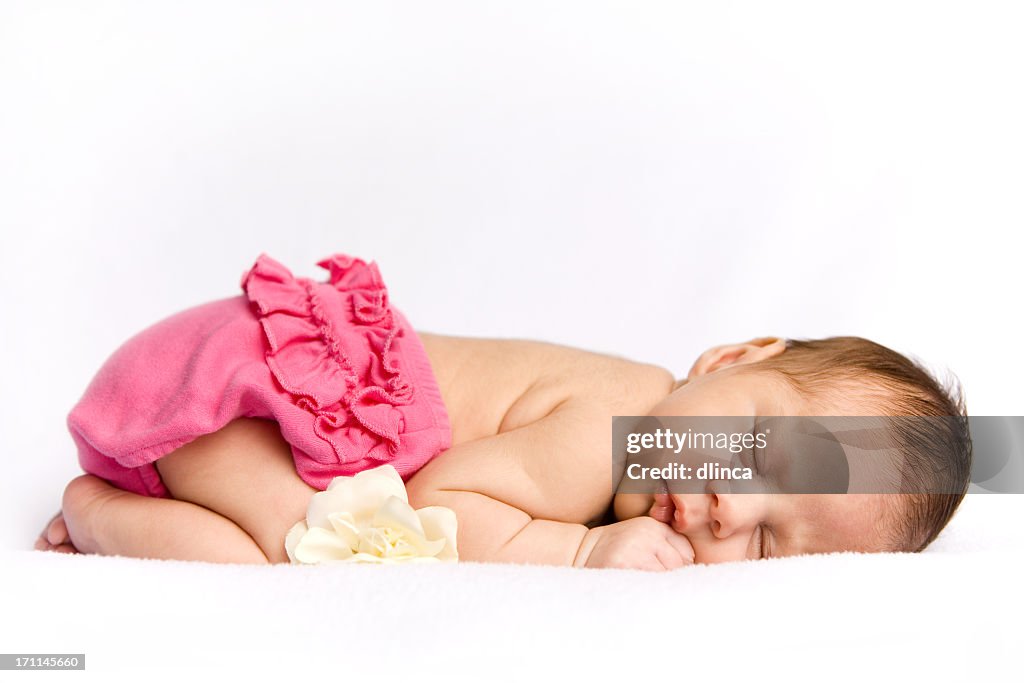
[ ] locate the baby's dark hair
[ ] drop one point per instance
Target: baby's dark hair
(903, 387)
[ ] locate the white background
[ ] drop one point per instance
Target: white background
(638, 178)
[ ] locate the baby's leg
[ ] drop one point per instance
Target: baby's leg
(237, 487)
(105, 520)
(246, 473)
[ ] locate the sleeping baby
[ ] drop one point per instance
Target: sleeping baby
(206, 435)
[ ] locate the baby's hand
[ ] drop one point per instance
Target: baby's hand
(638, 543)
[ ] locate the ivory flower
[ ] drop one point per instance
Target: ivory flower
(367, 518)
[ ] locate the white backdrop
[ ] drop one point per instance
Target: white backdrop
(639, 178)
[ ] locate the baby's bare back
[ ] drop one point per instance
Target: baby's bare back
(492, 386)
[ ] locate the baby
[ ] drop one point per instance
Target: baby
(206, 435)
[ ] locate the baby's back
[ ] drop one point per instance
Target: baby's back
(491, 386)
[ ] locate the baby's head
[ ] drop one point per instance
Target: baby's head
(839, 376)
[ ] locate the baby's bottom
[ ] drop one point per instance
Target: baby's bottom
(235, 495)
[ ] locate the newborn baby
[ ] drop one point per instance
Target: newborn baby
(206, 435)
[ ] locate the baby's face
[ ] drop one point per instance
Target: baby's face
(724, 526)
(737, 526)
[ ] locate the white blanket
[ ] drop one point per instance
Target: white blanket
(951, 612)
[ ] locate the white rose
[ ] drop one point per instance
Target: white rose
(367, 518)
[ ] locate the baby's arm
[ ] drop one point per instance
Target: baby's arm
(557, 468)
(491, 531)
(521, 496)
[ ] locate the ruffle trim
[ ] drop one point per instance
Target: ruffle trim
(308, 359)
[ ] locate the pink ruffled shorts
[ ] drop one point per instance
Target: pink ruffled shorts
(333, 363)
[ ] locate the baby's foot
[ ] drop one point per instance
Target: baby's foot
(55, 536)
(83, 501)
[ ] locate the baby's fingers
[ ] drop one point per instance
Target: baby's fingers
(681, 544)
(675, 552)
(669, 557)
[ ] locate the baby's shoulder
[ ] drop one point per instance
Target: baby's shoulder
(492, 386)
(602, 384)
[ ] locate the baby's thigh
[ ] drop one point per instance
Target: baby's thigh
(244, 472)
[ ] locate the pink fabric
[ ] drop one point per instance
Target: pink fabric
(338, 367)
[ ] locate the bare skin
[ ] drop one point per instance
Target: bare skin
(528, 472)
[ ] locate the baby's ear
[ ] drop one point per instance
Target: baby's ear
(718, 357)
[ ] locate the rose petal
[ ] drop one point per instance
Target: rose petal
(398, 514)
(384, 481)
(344, 525)
(400, 517)
(441, 523)
(291, 539)
(320, 545)
(325, 502)
(389, 542)
(360, 495)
